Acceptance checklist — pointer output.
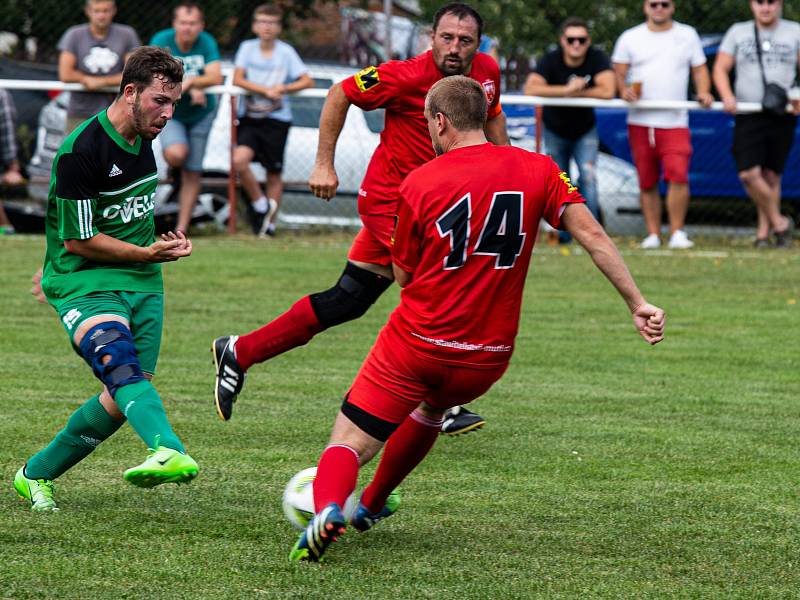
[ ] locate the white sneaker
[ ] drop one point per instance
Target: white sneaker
(680, 241)
(650, 242)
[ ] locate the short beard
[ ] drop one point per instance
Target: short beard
(140, 124)
(437, 148)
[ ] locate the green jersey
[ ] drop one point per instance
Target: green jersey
(99, 184)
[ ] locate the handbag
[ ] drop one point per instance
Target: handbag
(775, 97)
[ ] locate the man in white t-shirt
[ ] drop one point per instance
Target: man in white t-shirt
(268, 69)
(652, 61)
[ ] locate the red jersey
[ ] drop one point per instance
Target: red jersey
(400, 87)
(466, 225)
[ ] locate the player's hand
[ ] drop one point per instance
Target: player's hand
(36, 288)
(729, 104)
(197, 97)
(649, 321)
(172, 246)
(705, 99)
(323, 181)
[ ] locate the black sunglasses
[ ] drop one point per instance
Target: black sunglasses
(660, 4)
(765, 1)
(577, 40)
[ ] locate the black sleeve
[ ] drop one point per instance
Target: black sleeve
(76, 177)
(545, 67)
(600, 61)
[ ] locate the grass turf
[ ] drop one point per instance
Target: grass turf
(607, 468)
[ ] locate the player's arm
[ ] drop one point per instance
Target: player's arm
(323, 180)
(104, 248)
(403, 278)
(648, 319)
(495, 130)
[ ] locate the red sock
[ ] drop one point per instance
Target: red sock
(406, 448)
(337, 474)
(293, 328)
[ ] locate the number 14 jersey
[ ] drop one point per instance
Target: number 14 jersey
(466, 225)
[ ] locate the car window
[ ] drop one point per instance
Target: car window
(306, 111)
(375, 120)
(322, 82)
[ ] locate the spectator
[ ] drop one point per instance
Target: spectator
(9, 165)
(269, 69)
(574, 69)
(655, 59)
(94, 55)
(761, 141)
(184, 138)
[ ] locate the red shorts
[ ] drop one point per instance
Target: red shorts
(394, 380)
(653, 148)
(373, 242)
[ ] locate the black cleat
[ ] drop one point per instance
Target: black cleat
(229, 376)
(458, 420)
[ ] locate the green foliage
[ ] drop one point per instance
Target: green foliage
(607, 469)
(530, 26)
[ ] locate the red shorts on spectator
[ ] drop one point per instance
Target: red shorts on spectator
(653, 149)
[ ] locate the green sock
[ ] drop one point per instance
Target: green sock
(85, 429)
(141, 404)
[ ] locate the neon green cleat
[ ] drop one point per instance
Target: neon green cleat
(39, 492)
(164, 465)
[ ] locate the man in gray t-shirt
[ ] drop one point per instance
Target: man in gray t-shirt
(94, 55)
(762, 141)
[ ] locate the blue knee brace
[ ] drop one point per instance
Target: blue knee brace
(112, 339)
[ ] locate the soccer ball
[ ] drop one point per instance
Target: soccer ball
(298, 499)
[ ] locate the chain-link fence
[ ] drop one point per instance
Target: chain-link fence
(330, 33)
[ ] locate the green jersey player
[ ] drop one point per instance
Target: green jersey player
(102, 274)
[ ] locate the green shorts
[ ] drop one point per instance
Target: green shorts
(144, 312)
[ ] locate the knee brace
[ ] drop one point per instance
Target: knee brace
(112, 339)
(356, 290)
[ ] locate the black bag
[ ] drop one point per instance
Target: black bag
(775, 97)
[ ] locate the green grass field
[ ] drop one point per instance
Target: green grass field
(608, 468)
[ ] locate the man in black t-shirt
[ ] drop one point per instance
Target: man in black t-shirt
(574, 69)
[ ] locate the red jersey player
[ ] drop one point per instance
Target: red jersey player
(461, 250)
(400, 88)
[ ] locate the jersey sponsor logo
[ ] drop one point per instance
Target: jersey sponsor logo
(489, 88)
(115, 170)
(136, 207)
(366, 79)
(71, 318)
(565, 178)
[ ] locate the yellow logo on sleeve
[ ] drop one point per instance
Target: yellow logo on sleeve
(565, 178)
(366, 79)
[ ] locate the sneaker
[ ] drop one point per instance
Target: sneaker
(783, 239)
(459, 420)
(164, 465)
(651, 242)
(320, 533)
(680, 241)
(362, 519)
(267, 227)
(229, 376)
(39, 492)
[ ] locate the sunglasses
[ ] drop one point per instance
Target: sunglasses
(655, 5)
(577, 40)
(770, 2)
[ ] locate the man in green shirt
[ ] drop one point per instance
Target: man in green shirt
(102, 274)
(184, 139)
